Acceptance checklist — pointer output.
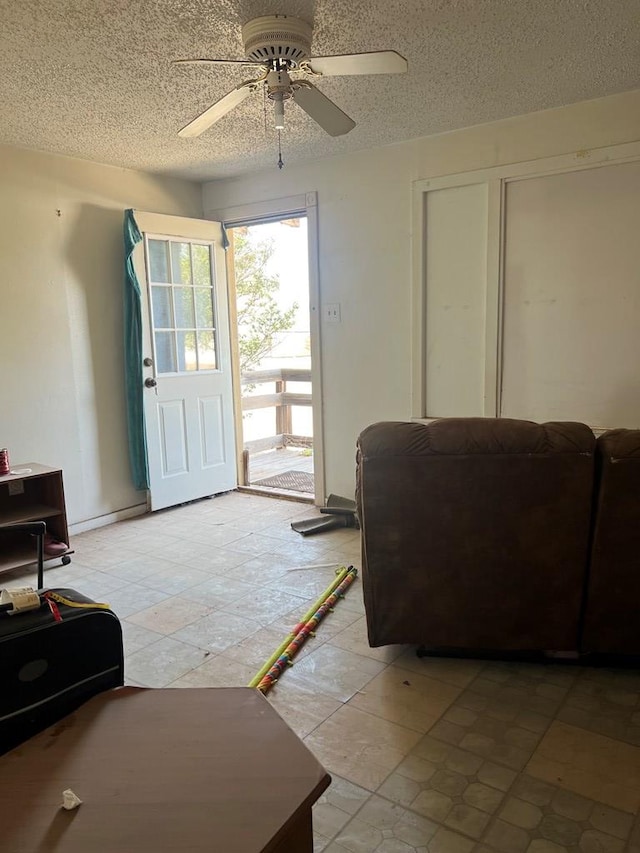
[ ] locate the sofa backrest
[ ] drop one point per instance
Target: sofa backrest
(475, 531)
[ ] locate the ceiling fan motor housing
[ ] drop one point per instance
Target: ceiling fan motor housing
(277, 37)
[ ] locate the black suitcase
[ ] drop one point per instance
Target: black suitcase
(48, 668)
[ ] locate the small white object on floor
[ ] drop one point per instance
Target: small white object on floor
(70, 800)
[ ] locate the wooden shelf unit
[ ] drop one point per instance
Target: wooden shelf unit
(33, 493)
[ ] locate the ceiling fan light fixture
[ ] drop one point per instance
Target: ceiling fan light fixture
(278, 111)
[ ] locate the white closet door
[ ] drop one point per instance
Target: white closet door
(455, 295)
(571, 337)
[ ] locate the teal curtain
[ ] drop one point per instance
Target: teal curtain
(133, 357)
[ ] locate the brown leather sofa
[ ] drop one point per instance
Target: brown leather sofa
(475, 532)
(612, 611)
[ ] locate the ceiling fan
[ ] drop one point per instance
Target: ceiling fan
(280, 47)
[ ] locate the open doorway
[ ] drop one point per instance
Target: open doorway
(269, 291)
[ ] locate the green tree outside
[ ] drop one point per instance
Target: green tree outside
(260, 319)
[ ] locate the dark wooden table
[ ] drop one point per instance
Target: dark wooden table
(188, 770)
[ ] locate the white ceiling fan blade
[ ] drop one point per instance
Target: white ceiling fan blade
(322, 110)
(214, 62)
(376, 62)
(210, 116)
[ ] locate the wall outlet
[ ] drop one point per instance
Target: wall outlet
(332, 312)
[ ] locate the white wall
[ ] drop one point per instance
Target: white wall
(364, 208)
(61, 349)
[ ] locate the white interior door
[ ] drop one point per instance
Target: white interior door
(188, 397)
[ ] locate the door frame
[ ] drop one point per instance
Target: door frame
(304, 204)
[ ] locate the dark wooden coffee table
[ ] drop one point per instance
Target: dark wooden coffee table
(187, 770)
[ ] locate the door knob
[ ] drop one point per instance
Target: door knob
(148, 362)
(150, 383)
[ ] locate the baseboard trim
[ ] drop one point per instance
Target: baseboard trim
(109, 518)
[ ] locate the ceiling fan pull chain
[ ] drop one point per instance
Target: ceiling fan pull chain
(280, 160)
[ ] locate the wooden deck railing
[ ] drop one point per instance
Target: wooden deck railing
(282, 401)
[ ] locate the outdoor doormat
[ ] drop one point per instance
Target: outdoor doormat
(295, 481)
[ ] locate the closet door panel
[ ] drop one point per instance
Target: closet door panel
(455, 294)
(571, 332)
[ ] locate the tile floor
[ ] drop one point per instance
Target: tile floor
(427, 756)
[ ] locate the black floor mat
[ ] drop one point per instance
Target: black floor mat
(295, 481)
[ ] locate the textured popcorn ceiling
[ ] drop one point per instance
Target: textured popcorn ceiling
(93, 79)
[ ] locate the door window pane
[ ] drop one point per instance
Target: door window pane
(183, 298)
(158, 261)
(181, 263)
(161, 300)
(204, 307)
(182, 305)
(165, 352)
(187, 359)
(201, 265)
(207, 359)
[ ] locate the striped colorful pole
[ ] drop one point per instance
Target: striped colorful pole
(304, 630)
(340, 575)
